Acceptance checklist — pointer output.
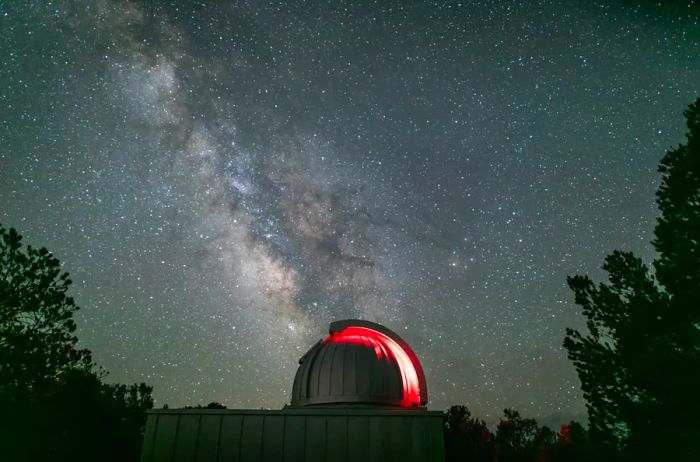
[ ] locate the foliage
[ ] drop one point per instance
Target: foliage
(212, 405)
(517, 439)
(516, 436)
(467, 438)
(572, 445)
(639, 363)
(55, 404)
(37, 344)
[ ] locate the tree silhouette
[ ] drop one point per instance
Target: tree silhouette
(518, 438)
(467, 438)
(54, 403)
(212, 405)
(572, 445)
(639, 363)
(37, 343)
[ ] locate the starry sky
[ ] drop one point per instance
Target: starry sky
(223, 179)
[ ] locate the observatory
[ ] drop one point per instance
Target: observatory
(358, 395)
(360, 362)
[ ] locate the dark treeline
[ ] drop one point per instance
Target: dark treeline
(212, 405)
(516, 439)
(54, 403)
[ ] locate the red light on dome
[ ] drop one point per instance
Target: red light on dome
(385, 347)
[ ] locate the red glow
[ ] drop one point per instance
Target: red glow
(385, 347)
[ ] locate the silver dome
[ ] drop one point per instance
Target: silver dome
(360, 362)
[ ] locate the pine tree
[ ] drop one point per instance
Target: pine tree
(37, 344)
(54, 403)
(639, 363)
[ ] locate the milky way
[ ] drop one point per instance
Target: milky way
(222, 181)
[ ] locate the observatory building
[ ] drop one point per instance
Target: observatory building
(358, 395)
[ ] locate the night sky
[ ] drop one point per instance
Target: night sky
(223, 180)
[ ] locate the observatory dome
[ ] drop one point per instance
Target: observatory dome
(360, 362)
